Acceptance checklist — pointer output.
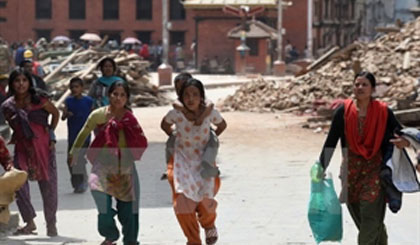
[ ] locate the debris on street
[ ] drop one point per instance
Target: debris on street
(84, 64)
(393, 58)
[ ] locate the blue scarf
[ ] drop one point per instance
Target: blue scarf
(108, 81)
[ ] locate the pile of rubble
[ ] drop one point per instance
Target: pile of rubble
(84, 65)
(393, 58)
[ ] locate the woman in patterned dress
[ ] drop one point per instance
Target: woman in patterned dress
(365, 127)
(193, 196)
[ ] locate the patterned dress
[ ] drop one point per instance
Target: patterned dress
(189, 147)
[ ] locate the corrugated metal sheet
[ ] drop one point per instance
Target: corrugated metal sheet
(222, 3)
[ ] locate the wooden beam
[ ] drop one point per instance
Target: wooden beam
(61, 66)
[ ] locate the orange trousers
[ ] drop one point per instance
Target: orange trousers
(190, 213)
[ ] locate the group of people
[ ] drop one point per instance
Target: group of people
(119, 141)
(365, 127)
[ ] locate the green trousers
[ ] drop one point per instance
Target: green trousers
(127, 213)
(369, 219)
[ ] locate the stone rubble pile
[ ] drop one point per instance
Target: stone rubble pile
(393, 58)
(131, 67)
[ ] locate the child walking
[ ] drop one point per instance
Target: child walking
(77, 108)
(192, 193)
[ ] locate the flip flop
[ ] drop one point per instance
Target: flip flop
(25, 231)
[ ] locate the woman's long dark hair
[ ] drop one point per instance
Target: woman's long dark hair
(196, 83)
(126, 88)
(20, 71)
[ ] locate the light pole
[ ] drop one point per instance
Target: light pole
(310, 20)
(165, 70)
(279, 30)
(165, 36)
(279, 65)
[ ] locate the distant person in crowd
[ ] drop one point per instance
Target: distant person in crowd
(19, 54)
(287, 51)
(5, 58)
(31, 46)
(37, 68)
(137, 48)
(192, 193)
(179, 57)
(205, 65)
(113, 44)
(144, 52)
(77, 108)
(34, 151)
(13, 48)
(158, 54)
(37, 82)
(99, 89)
(119, 143)
(294, 54)
(365, 127)
(193, 51)
(152, 53)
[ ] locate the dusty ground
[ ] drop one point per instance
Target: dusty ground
(265, 161)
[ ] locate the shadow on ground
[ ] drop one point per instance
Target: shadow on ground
(154, 193)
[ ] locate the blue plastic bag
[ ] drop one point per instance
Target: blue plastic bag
(324, 212)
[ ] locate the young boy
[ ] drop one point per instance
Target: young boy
(210, 152)
(76, 111)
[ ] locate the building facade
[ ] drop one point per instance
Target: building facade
(382, 13)
(335, 22)
(21, 20)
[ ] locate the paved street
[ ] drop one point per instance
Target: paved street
(265, 161)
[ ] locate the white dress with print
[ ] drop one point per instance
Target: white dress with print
(189, 148)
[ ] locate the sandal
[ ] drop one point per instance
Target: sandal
(25, 231)
(211, 236)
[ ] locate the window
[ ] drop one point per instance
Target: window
(177, 11)
(77, 9)
(177, 37)
(353, 8)
(144, 36)
(111, 9)
(45, 33)
(345, 11)
(112, 35)
(326, 9)
(3, 4)
(316, 9)
(252, 43)
(75, 34)
(43, 9)
(144, 10)
(2, 19)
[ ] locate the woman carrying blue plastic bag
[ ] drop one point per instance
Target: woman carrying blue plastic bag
(365, 127)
